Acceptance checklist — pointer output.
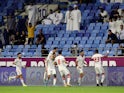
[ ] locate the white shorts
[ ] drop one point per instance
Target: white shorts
(99, 70)
(64, 71)
(80, 70)
(51, 71)
(19, 71)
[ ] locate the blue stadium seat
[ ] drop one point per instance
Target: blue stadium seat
(89, 41)
(83, 42)
(87, 45)
(21, 46)
(62, 43)
(8, 46)
(71, 38)
(97, 41)
(56, 42)
(33, 46)
(51, 39)
(27, 46)
(78, 38)
(69, 42)
(49, 42)
(115, 45)
(57, 38)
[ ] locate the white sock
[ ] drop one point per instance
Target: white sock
(102, 78)
(68, 80)
(45, 75)
(97, 79)
(54, 81)
(22, 81)
(64, 81)
(13, 77)
(79, 80)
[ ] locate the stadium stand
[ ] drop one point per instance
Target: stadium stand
(92, 35)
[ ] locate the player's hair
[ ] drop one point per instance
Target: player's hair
(96, 51)
(55, 48)
(60, 52)
(81, 51)
(18, 53)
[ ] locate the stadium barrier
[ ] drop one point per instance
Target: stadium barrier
(33, 74)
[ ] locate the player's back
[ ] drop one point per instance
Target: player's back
(80, 60)
(60, 61)
(97, 59)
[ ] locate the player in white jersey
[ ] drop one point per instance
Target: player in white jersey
(50, 68)
(61, 62)
(98, 67)
(55, 49)
(80, 62)
(18, 63)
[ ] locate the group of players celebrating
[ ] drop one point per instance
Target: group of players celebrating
(54, 58)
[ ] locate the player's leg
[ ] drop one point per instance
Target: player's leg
(67, 73)
(17, 76)
(63, 77)
(54, 75)
(48, 75)
(80, 76)
(22, 80)
(103, 75)
(97, 76)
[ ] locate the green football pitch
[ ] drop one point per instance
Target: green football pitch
(58, 89)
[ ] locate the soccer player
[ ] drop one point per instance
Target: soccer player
(51, 53)
(18, 63)
(55, 49)
(80, 61)
(50, 68)
(99, 68)
(61, 62)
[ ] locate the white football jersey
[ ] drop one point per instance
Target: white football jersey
(50, 53)
(60, 61)
(80, 61)
(97, 59)
(50, 63)
(18, 63)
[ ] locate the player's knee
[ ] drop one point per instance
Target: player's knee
(68, 76)
(97, 75)
(48, 76)
(81, 75)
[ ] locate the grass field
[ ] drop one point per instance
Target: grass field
(41, 89)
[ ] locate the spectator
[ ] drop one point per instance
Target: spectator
(46, 21)
(58, 17)
(17, 38)
(114, 14)
(12, 39)
(75, 49)
(44, 51)
(112, 38)
(76, 18)
(68, 19)
(122, 15)
(121, 34)
(112, 25)
(40, 38)
(51, 16)
(30, 29)
(23, 38)
(11, 24)
(118, 23)
(32, 14)
(103, 15)
(6, 36)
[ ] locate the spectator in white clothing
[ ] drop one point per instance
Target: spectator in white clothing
(68, 19)
(58, 17)
(121, 35)
(103, 15)
(76, 16)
